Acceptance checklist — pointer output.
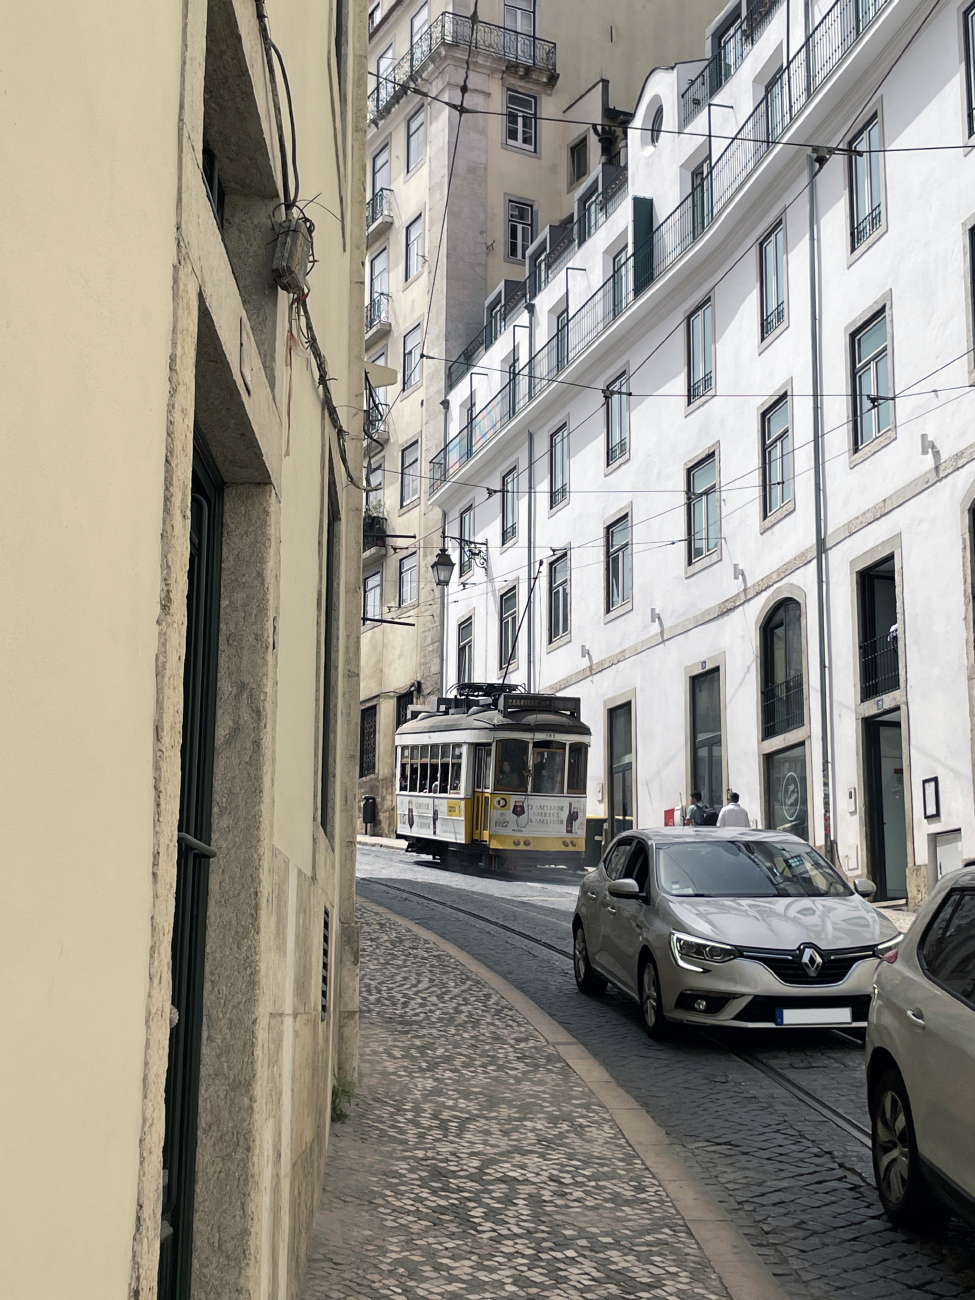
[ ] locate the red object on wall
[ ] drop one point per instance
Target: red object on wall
(669, 816)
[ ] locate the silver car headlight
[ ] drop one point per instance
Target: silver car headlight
(888, 945)
(687, 949)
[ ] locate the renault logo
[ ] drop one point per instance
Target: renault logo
(811, 961)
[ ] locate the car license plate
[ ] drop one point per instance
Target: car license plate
(813, 1016)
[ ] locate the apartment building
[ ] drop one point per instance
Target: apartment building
(180, 695)
(462, 205)
(728, 500)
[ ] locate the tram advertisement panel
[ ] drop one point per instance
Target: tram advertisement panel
(539, 821)
(430, 817)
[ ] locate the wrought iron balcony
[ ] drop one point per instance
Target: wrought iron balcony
(773, 320)
(700, 386)
(378, 311)
(374, 420)
(373, 532)
(879, 667)
(457, 29)
(783, 707)
(379, 206)
(723, 64)
(865, 228)
(811, 65)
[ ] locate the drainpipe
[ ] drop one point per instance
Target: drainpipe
(531, 559)
(443, 603)
(813, 165)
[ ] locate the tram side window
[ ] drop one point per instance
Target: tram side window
(456, 760)
(511, 767)
(443, 777)
(414, 768)
(578, 754)
(404, 767)
(548, 768)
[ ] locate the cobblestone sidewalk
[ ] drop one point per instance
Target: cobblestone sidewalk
(476, 1163)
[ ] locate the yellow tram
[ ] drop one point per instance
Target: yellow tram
(494, 777)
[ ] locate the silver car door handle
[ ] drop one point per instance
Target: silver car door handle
(610, 909)
(916, 1017)
(591, 893)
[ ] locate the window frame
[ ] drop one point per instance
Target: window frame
(859, 447)
(373, 291)
(413, 596)
(377, 10)
(557, 637)
(465, 647)
(365, 711)
(509, 499)
(412, 377)
(768, 327)
(873, 221)
(411, 134)
(951, 899)
(576, 177)
(416, 34)
(511, 223)
(692, 562)
(558, 456)
(413, 249)
(618, 388)
(367, 592)
(787, 502)
(516, 117)
(409, 475)
(388, 164)
(373, 465)
(705, 310)
(465, 518)
(623, 552)
(509, 620)
(968, 47)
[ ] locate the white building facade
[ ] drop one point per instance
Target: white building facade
(729, 499)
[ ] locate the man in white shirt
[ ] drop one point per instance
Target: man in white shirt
(732, 814)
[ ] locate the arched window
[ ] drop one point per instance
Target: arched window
(783, 697)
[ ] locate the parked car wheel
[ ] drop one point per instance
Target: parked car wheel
(904, 1193)
(654, 1020)
(586, 978)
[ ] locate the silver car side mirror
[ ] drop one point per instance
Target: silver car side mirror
(864, 887)
(624, 889)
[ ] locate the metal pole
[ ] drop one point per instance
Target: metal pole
(531, 553)
(443, 612)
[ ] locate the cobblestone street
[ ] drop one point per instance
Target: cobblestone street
(476, 1162)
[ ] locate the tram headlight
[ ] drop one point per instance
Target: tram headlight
(687, 949)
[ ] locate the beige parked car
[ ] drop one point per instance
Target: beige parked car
(921, 1062)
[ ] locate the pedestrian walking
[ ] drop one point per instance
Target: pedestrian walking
(732, 814)
(699, 813)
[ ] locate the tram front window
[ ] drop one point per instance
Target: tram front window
(457, 755)
(511, 766)
(548, 768)
(578, 755)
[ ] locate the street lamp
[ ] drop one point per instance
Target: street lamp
(443, 568)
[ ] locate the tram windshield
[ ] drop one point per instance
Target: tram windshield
(578, 754)
(511, 766)
(548, 768)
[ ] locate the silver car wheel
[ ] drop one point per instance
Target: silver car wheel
(580, 956)
(651, 1004)
(893, 1151)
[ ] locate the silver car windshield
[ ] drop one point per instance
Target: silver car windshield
(746, 869)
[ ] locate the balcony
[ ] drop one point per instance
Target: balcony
(379, 214)
(879, 667)
(783, 707)
(828, 44)
(374, 421)
(373, 533)
(378, 317)
(457, 30)
(722, 65)
(865, 228)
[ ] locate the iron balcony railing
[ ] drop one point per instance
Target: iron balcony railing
(458, 29)
(865, 228)
(773, 320)
(829, 41)
(722, 65)
(378, 311)
(783, 707)
(380, 205)
(374, 418)
(547, 266)
(879, 668)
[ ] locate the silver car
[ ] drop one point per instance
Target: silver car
(733, 927)
(921, 1062)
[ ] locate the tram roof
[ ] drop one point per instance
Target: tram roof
(491, 720)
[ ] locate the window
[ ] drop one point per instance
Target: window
(618, 563)
(947, 950)
(508, 617)
(374, 484)
(777, 457)
(558, 466)
(384, 83)
(657, 125)
(578, 762)
(375, 16)
(562, 339)
(412, 342)
(558, 597)
(579, 161)
(367, 741)
(414, 248)
(511, 766)
(466, 537)
(772, 259)
(519, 16)
(379, 275)
(619, 280)
(403, 703)
(416, 139)
(699, 353)
(372, 595)
(214, 185)
(548, 767)
(879, 638)
(871, 381)
(866, 205)
(509, 506)
(706, 730)
(588, 222)
(465, 650)
(380, 170)
(407, 580)
(620, 727)
(522, 124)
(701, 200)
(419, 25)
(521, 228)
(970, 67)
(617, 419)
(782, 687)
(409, 479)
(775, 105)
(702, 509)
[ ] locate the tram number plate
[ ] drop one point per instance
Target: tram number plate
(813, 1016)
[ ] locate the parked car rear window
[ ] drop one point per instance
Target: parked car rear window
(948, 949)
(746, 869)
